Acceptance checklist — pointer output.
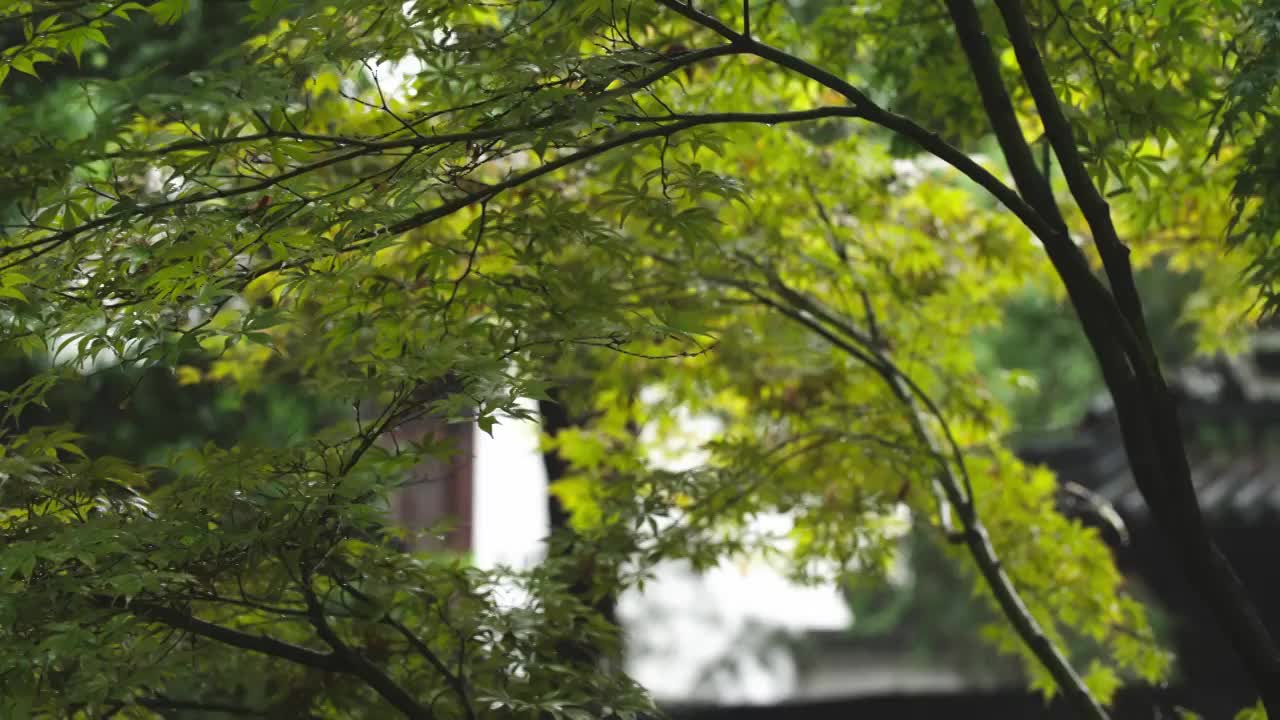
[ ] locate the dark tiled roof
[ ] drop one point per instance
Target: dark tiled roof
(1230, 411)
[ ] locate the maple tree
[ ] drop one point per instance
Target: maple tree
(790, 217)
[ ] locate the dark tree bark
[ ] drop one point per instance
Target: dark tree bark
(1114, 324)
(557, 417)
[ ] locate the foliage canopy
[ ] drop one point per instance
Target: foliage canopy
(793, 217)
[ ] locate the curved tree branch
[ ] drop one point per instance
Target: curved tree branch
(1046, 222)
(1043, 220)
(1171, 494)
(356, 664)
(262, 644)
(342, 659)
(973, 531)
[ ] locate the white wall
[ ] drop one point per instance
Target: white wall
(682, 623)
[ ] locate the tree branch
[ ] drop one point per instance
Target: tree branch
(356, 664)
(1044, 219)
(1114, 253)
(262, 644)
(1091, 299)
(1113, 341)
(362, 148)
(160, 702)
(342, 659)
(1171, 494)
(974, 533)
(455, 681)
(665, 126)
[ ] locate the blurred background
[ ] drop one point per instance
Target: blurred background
(709, 644)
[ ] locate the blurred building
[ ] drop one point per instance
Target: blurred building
(439, 491)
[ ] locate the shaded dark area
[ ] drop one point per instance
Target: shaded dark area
(143, 414)
(1131, 704)
(142, 48)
